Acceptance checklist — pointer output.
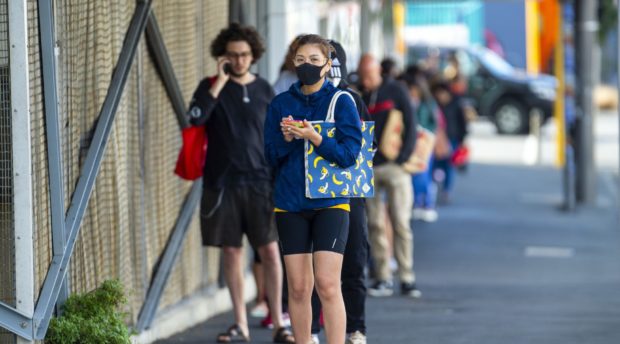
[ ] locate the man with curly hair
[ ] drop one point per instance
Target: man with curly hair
(237, 193)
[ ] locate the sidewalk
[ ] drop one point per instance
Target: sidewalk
(502, 265)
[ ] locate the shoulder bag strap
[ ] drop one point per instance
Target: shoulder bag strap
(332, 105)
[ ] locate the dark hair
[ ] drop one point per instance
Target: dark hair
(388, 66)
(235, 32)
(440, 86)
(290, 55)
(302, 40)
(413, 70)
(409, 80)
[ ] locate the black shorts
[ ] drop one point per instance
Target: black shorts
(225, 215)
(311, 231)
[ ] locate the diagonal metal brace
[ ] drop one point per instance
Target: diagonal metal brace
(159, 53)
(16, 322)
(168, 258)
(86, 182)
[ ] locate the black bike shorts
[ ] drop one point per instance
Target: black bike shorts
(314, 230)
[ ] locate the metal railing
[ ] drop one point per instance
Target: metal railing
(66, 229)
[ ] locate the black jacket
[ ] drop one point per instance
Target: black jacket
(391, 95)
(362, 109)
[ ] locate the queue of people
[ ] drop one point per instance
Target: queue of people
(255, 182)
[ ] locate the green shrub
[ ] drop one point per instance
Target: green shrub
(92, 318)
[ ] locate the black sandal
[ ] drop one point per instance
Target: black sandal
(234, 334)
(283, 335)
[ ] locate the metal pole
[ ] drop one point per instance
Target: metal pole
(22, 168)
(52, 127)
(365, 27)
(618, 75)
(587, 27)
(21, 160)
(272, 18)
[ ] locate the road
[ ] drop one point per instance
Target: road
(503, 264)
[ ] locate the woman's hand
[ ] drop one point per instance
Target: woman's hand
(288, 135)
(307, 132)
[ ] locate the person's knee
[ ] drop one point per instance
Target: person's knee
(300, 290)
(232, 254)
(403, 232)
(269, 254)
(327, 287)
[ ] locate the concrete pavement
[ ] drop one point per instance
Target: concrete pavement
(502, 265)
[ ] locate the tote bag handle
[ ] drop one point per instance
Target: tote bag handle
(332, 105)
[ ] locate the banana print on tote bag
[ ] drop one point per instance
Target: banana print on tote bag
(328, 180)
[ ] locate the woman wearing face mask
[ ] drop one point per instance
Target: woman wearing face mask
(312, 232)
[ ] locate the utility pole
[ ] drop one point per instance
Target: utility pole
(587, 27)
(618, 71)
(365, 26)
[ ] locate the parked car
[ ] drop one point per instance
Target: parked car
(496, 89)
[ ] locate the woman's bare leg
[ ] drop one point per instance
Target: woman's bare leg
(327, 268)
(300, 284)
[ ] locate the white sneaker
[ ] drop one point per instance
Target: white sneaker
(315, 339)
(430, 215)
(356, 337)
(417, 214)
(259, 311)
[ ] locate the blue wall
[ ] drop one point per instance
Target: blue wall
(442, 12)
(506, 19)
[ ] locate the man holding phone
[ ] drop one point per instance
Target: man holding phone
(237, 179)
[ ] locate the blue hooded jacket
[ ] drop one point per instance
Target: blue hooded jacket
(287, 158)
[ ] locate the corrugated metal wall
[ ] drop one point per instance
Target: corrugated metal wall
(137, 197)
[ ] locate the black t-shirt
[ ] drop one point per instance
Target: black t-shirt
(235, 154)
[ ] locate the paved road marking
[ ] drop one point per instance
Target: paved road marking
(541, 198)
(549, 252)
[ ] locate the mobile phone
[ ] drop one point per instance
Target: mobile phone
(297, 123)
(293, 122)
(227, 68)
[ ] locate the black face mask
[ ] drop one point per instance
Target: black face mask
(309, 74)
